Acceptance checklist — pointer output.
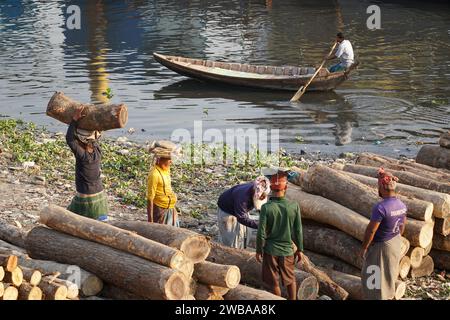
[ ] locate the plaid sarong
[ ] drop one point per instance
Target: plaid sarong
(91, 206)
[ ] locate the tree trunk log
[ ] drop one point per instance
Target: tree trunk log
(440, 201)
(332, 243)
(89, 284)
(322, 180)
(97, 117)
(2, 273)
(416, 255)
(31, 276)
(65, 221)
(2, 289)
(251, 270)
(204, 292)
(441, 243)
(242, 292)
(187, 268)
(434, 156)
(428, 248)
(52, 290)
(12, 234)
(352, 284)
(425, 269)
(400, 289)
(441, 259)
(112, 292)
(404, 177)
(29, 292)
(373, 160)
(326, 262)
(442, 226)
(15, 277)
(72, 288)
(444, 140)
(195, 246)
(404, 267)
(114, 266)
(9, 262)
(10, 292)
(217, 274)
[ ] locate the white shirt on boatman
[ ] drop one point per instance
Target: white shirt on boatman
(345, 53)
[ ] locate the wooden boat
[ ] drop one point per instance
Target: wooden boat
(280, 78)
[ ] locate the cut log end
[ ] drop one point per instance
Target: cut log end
(400, 289)
(416, 256)
(425, 269)
(15, 277)
(2, 273)
(404, 267)
(91, 286)
(122, 115)
(10, 293)
(9, 262)
(177, 286)
(29, 292)
(196, 248)
(308, 289)
(404, 246)
(233, 277)
(426, 235)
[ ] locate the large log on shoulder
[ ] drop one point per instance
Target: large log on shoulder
(12, 234)
(441, 259)
(89, 284)
(221, 275)
(322, 180)
(440, 201)
(307, 285)
(373, 160)
(404, 177)
(97, 117)
(65, 221)
(119, 268)
(242, 292)
(434, 156)
(195, 246)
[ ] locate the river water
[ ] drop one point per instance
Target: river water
(397, 99)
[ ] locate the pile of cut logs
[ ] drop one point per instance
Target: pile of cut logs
(336, 204)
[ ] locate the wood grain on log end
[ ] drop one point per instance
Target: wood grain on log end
(196, 248)
(425, 269)
(404, 267)
(29, 292)
(9, 262)
(10, 293)
(400, 289)
(15, 277)
(416, 256)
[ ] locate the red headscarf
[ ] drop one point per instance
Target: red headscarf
(387, 179)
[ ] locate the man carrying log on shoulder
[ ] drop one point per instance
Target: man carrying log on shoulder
(90, 200)
(381, 247)
(161, 199)
(233, 210)
(280, 226)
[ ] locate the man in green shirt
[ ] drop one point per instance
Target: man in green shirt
(280, 226)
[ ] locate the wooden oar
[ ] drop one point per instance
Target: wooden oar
(302, 89)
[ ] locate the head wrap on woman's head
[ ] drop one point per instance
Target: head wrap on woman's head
(387, 180)
(262, 186)
(87, 136)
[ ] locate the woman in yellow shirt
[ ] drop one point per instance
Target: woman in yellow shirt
(161, 199)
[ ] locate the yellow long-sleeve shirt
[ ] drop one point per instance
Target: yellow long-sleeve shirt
(159, 188)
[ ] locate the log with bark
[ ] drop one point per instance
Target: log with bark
(73, 224)
(351, 283)
(53, 290)
(89, 284)
(72, 288)
(440, 201)
(14, 277)
(10, 292)
(404, 177)
(27, 291)
(428, 249)
(2, 273)
(31, 276)
(2, 289)
(116, 267)
(97, 117)
(195, 246)
(404, 267)
(221, 275)
(442, 226)
(12, 234)
(112, 292)
(441, 243)
(416, 255)
(323, 261)
(8, 261)
(322, 180)
(373, 160)
(242, 292)
(425, 269)
(441, 259)
(251, 270)
(204, 292)
(444, 140)
(434, 156)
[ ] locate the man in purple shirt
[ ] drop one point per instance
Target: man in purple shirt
(234, 206)
(381, 247)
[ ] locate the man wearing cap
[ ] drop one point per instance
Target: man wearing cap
(280, 227)
(90, 200)
(233, 210)
(161, 199)
(382, 243)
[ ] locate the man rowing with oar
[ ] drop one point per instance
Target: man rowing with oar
(344, 53)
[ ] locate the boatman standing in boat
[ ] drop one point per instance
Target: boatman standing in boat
(381, 249)
(344, 53)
